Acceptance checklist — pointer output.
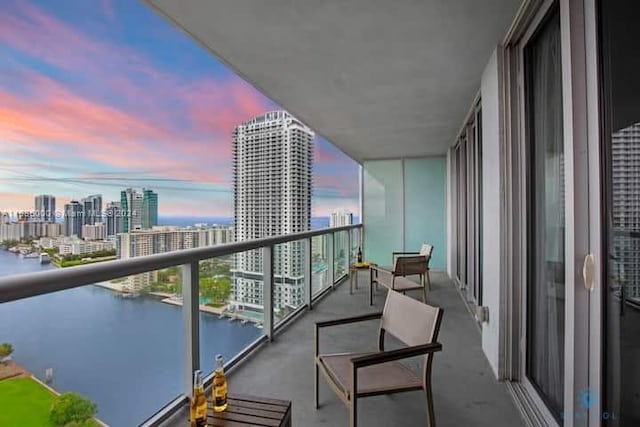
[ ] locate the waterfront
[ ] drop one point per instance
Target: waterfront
(124, 354)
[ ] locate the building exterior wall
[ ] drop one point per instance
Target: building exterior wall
(491, 208)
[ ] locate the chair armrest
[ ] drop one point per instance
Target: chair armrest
(404, 253)
(379, 268)
(391, 355)
(345, 320)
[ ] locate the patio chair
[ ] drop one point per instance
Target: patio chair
(355, 375)
(425, 250)
(395, 278)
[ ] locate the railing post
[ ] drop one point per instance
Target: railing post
(348, 251)
(191, 322)
(267, 275)
(308, 272)
(331, 259)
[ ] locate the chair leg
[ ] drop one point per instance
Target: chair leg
(428, 280)
(316, 387)
(353, 413)
(431, 418)
(424, 294)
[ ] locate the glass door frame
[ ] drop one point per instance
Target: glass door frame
(583, 318)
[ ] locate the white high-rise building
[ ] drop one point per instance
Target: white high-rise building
(272, 160)
(340, 218)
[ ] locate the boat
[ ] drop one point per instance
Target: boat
(244, 321)
(44, 258)
(31, 255)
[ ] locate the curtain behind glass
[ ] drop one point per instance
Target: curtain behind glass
(545, 311)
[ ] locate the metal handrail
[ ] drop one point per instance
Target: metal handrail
(33, 284)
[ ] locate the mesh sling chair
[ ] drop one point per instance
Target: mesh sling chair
(355, 375)
(425, 250)
(404, 264)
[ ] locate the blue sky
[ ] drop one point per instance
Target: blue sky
(96, 96)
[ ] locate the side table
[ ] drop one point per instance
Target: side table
(354, 273)
(251, 411)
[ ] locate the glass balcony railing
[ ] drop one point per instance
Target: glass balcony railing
(138, 335)
(341, 253)
(320, 278)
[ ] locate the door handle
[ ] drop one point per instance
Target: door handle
(588, 272)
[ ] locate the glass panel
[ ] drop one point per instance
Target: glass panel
(288, 278)
(247, 286)
(471, 209)
(320, 275)
(383, 213)
(425, 186)
(341, 254)
(621, 61)
(546, 263)
(356, 244)
(226, 326)
(114, 344)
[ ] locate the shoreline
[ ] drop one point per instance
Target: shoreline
(22, 372)
(171, 299)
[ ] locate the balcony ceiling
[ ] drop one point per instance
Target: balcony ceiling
(379, 79)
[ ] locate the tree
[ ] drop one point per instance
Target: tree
(71, 407)
(5, 351)
(217, 289)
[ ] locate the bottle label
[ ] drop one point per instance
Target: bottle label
(220, 400)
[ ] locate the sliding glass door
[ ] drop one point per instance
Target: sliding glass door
(545, 295)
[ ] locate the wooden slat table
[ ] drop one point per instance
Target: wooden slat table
(247, 411)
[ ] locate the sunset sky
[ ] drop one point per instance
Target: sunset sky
(96, 96)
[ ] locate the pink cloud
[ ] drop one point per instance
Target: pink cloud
(211, 108)
(11, 202)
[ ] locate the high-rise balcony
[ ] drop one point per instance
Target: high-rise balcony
(274, 361)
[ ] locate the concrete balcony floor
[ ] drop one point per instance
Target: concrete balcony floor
(465, 389)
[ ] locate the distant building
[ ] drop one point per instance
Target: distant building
(272, 160)
(139, 209)
(92, 209)
(46, 208)
(75, 246)
(24, 230)
(149, 208)
(626, 207)
(340, 218)
(97, 231)
(73, 218)
(166, 239)
(113, 219)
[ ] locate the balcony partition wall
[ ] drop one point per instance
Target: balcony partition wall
(404, 207)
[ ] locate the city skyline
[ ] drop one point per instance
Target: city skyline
(96, 99)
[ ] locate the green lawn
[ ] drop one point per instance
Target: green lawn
(25, 403)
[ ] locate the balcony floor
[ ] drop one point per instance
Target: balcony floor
(465, 389)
